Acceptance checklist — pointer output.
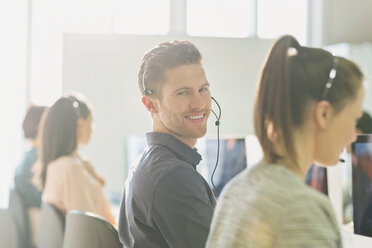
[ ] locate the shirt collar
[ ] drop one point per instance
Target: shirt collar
(186, 153)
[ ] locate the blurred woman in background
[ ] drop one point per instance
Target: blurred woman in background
(29, 193)
(31, 196)
(69, 182)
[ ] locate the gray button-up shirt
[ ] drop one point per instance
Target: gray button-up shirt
(166, 202)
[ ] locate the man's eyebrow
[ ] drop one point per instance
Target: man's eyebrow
(183, 88)
(188, 88)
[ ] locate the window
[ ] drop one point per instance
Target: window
(248, 18)
(221, 18)
(86, 16)
(13, 16)
(46, 50)
(141, 16)
(275, 18)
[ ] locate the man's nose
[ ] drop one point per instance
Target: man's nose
(198, 102)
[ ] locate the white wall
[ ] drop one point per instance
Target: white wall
(346, 21)
(104, 68)
(13, 65)
(360, 53)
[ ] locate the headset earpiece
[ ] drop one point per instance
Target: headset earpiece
(148, 92)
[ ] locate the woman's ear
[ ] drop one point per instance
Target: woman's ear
(80, 123)
(80, 126)
(322, 113)
(149, 104)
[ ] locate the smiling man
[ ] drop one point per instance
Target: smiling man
(166, 202)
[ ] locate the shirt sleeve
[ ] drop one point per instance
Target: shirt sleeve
(85, 193)
(77, 193)
(66, 186)
(30, 194)
(234, 227)
(182, 209)
(303, 222)
(309, 223)
(72, 187)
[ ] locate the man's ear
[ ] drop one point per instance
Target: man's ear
(149, 104)
(322, 113)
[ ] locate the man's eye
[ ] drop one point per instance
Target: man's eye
(203, 89)
(182, 93)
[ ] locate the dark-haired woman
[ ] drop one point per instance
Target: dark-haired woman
(30, 194)
(306, 107)
(68, 181)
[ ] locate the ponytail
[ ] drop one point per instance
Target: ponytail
(273, 106)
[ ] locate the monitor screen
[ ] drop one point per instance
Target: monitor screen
(232, 160)
(135, 145)
(316, 178)
(254, 150)
(346, 188)
(362, 185)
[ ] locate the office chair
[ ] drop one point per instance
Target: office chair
(19, 213)
(9, 236)
(52, 227)
(88, 230)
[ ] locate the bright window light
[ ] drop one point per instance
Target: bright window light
(221, 18)
(276, 18)
(141, 16)
(12, 90)
(87, 16)
(46, 50)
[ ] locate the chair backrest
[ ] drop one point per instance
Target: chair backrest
(19, 213)
(88, 230)
(52, 227)
(9, 235)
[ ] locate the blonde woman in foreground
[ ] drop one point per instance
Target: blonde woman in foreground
(306, 107)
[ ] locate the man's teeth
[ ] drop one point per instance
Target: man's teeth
(194, 117)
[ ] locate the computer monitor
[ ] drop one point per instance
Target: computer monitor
(362, 185)
(135, 145)
(253, 149)
(346, 186)
(232, 160)
(316, 178)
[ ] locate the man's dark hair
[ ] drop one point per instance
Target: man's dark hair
(32, 120)
(364, 124)
(163, 57)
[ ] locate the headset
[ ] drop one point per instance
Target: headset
(217, 123)
(149, 92)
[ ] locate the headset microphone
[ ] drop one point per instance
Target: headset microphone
(217, 123)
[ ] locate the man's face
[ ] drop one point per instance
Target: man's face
(183, 107)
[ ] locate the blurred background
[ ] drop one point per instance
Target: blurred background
(95, 47)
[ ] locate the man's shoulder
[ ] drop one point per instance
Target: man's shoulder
(161, 159)
(161, 167)
(158, 164)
